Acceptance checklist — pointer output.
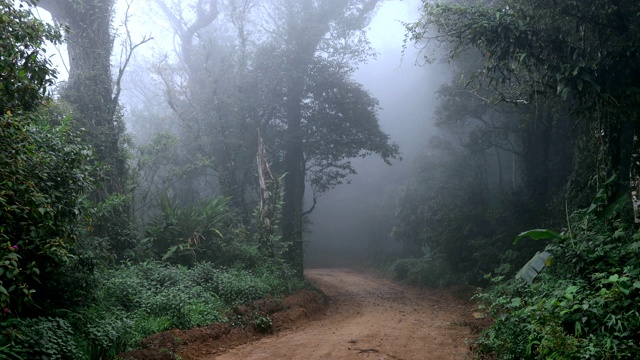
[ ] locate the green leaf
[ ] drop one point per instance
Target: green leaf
(614, 208)
(538, 234)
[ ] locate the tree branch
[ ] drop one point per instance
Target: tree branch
(315, 201)
(127, 53)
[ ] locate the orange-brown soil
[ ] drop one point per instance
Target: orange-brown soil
(365, 317)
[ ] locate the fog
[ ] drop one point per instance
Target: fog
(235, 164)
(352, 224)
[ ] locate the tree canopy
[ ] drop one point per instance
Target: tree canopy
(25, 70)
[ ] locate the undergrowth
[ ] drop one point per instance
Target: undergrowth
(135, 301)
(428, 270)
(583, 306)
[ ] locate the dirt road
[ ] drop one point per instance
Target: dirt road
(370, 318)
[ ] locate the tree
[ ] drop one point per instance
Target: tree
(94, 96)
(583, 53)
(205, 90)
(293, 83)
(25, 71)
(89, 40)
(44, 170)
(325, 118)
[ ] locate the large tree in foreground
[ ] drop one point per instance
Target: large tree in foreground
(93, 93)
(90, 87)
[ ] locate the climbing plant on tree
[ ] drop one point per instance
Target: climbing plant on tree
(94, 94)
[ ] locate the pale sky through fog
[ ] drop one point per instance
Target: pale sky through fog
(385, 32)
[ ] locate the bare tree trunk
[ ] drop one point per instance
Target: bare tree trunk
(294, 187)
(634, 174)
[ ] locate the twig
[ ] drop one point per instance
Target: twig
(361, 351)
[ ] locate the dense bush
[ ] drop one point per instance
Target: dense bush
(134, 301)
(428, 270)
(45, 172)
(26, 71)
(38, 339)
(584, 305)
(180, 234)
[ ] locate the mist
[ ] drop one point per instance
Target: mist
(181, 177)
(353, 223)
(355, 219)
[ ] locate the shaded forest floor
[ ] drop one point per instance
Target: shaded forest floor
(361, 316)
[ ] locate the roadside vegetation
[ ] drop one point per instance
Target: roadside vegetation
(530, 187)
(539, 131)
(104, 243)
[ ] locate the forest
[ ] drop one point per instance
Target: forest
(164, 163)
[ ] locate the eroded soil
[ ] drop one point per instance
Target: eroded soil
(366, 317)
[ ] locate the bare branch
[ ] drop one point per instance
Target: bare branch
(315, 201)
(127, 53)
(206, 13)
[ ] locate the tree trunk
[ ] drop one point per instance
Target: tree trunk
(90, 86)
(536, 142)
(90, 91)
(634, 174)
(294, 167)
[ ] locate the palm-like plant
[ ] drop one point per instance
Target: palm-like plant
(178, 233)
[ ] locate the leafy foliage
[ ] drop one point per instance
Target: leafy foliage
(576, 53)
(38, 339)
(448, 211)
(45, 172)
(535, 44)
(582, 306)
(429, 270)
(25, 71)
(135, 301)
(178, 234)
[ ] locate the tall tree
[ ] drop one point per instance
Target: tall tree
(325, 117)
(204, 90)
(582, 52)
(290, 79)
(93, 93)
(90, 87)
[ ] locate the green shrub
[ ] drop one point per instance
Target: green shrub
(428, 270)
(263, 323)
(181, 234)
(108, 334)
(38, 339)
(134, 301)
(45, 172)
(584, 305)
